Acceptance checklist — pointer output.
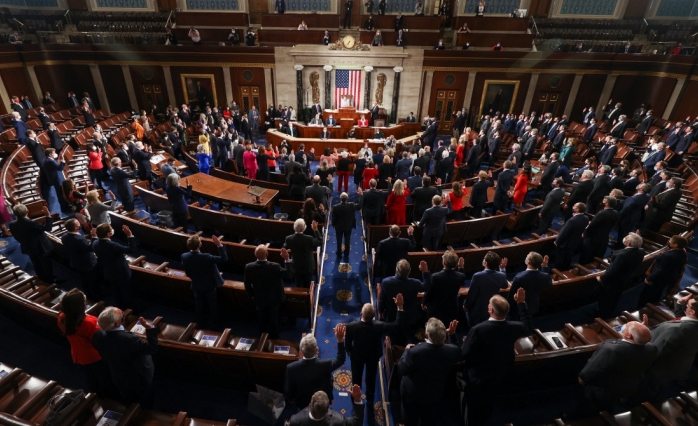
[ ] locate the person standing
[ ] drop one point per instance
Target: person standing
(596, 234)
(110, 256)
(569, 239)
(302, 247)
(344, 220)
(202, 270)
(532, 280)
(82, 257)
(129, 356)
(348, 5)
(551, 207)
(265, 285)
(619, 274)
(123, 186)
(253, 116)
(503, 189)
(371, 202)
(53, 172)
(280, 7)
(33, 241)
(177, 196)
(390, 250)
(434, 223)
(666, 272)
(396, 209)
(483, 286)
(441, 289)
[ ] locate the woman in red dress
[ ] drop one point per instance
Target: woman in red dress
(521, 187)
(455, 197)
(370, 172)
(363, 122)
(396, 209)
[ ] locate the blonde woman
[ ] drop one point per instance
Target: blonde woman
(203, 140)
(98, 210)
(396, 205)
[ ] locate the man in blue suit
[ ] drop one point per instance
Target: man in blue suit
(619, 274)
(441, 289)
(401, 283)
(590, 132)
(434, 223)
(390, 250)
(489, 352)
(403, 166)
(114, 265)
(123, 186)
(533, 280)
(129, 356)
(20, 127)
(501, 192)
(654, 158)
(426, 369)
(82, 257)
(52, 171)
(569, 240)
(483, 286)
(202, 269)
(331, 121)
(632, 215)
(265, 286)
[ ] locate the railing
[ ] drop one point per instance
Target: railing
(50, 36)
(651, 35)
(169, 18)
(115, 38)
(66, 15)
(534, 26)
(643, 26)
(24, 30)
(691, 40)
(597, 46)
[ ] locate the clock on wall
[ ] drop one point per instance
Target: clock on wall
(348, 42)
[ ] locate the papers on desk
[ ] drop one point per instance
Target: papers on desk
(284, 350)
(57, 299)
(138, 329)
(207, 340)
(377, 140)
(244, 344)
(182, 167)
(3, 374)
(155, 159)
(110, 418)
(178, 273)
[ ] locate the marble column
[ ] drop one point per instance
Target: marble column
(170, 86)
(470, 85)
(99, 86)
(367, 87)
(673, 100)
(531, 91)
(300, 113)
(428, 79)
(396, 92)
(35, 84)
(228, 84)
(129, 87)
(605, 94)
(573, 94)
(328, 86)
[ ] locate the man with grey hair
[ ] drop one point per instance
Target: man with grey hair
(617, 367)
(318, 412)
(602, 185)
(33, 241)
(290, 165)
(129, 356)
(425, 370)
(401, 283)
(580, 192)
(142, 155)
(318, 192)
(344, 220)
(619, 274)
(311, 374)
(302, 247)
(364, 345)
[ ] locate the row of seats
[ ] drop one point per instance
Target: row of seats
(600, 47)
(585, 34)
(78, 17)
(35, 21)
(127, 27)
(120, 38)
(634, 25)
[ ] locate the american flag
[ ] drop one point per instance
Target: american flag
(346, 82)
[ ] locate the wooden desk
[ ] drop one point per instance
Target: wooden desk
(220, 190)
(292, 20)
(387, 22)
(421, 38)
(487, 40)
(400, 131)
(156, 167)
(352, 145)
(340, 113)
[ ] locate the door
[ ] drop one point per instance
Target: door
(444, 108)
(151, 94)
(250, 96)
(548, 102)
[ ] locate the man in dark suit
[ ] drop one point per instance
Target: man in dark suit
(501, 193)
(589, 114)
(52, 172)
(202, 270)
(631, 216)
(569, 239)
(302, 247)
(430, 134)
(682, 147)
(19, 108)
(317, 192)
(630, 185)
(311, 374)
(601, 188)
(546, 179)
(403, 166)
(590, 132)
(325, 134)
(619, 274)
(488, 354)
(493, 145)
(660, 209)
(559, 139)
(608, 151)
(677, 346)
(374, 113)
(441, 289)
(478, 193)
(618, 129)
(423, 161)
(110, 256)
(616, 369)
(411, 118)
(433, 222)
(425, 370)
(532, 280)
(364, 344)
(316, 109)
(44, 118)
(483, 286)
(123, 186)
(401, 283)
(142, 157)
(423, 196)
(551, 207)
(580, 192)
(264, 283)
(33, 241)
(614, 113)
(372, 203)
(128, 356)
(35, 148)
(82, 257)
(656, 157)
(666, 272)
(596, 235)
(319, 412)
(55, 137)
(529, 147)
(472, 161)
(343, 221)
(394, 248)
(645, 124)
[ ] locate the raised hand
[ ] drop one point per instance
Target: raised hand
(520, 296)
(423, 267)
(339, 332)
(127, 231)
(452, 327)
(503, 263)
(356, 394)
(216, 241)
(145, 323)
(546, 259)
(461, 262)
(410, 230)
(399, 301)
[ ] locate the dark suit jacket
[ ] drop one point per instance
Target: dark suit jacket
(630, 186)
(441, 294)
(570, 236)
(53, 172)
(332, 418)
(372, 202)
(318, 193)
(429, 135)
(390, 251)
(616, 183)
(45, 120)
(31, 236)
(685, 143)
(489, 348)
(580, 193)
(533, 281)
(142, 158)
(402, 168)
(504, 185)
(633, 212)
(473, 159)
(478, 194)
(618, 130)
(202, 269)
(645, 125)
(364, 339)
(600, 227)
(422, 200)
(307, 376)
(607, 154)
(36, 150)
(423, 163)
(20, 109)
(483, 286)
(425, 370)
(601, 189)
(662, 210)
(551, 206)
(123, 186)
(344, 216)
(677, 345)
(82, 256)
(667, 268)
(410, 288)
(56, 141)
(129, 357)
(111, 256)
(434, 221)
(615, 370)
(589, 134)
(325, 135)
(264, 282)
(623, 265)
(653, 159)
(549, 174)
(302, 247)
(529, 147)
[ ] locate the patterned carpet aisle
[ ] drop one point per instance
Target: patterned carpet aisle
(342, 294)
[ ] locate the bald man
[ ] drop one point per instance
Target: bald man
(265, 286)
(615, 370)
